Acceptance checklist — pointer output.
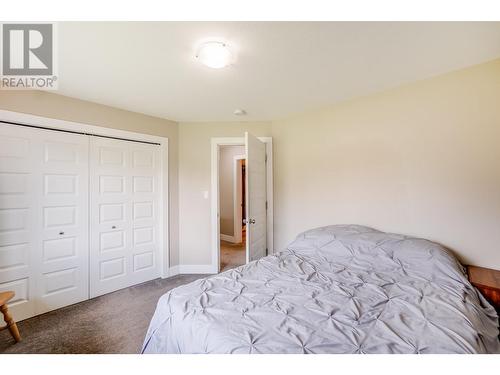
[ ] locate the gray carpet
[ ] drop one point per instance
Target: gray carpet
(113, 323)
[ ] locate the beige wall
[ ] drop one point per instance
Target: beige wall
(226, 187)
(194, 180)
(423, 159)
(60, 107)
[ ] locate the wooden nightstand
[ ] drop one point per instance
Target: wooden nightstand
(487, 281)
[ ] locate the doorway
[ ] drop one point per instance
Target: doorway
(232, 229)
(241, 209)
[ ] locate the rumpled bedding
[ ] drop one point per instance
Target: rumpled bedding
(336, 289)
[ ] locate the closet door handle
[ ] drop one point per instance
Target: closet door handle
(113, 227)
(61, 233)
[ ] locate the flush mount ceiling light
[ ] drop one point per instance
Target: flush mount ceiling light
(239, 112)
(215, 55)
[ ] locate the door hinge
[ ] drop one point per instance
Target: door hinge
(266, 205)
(265, 158)
(267, 251)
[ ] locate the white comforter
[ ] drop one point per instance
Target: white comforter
(337, 289)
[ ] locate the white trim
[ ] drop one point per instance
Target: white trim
(172, 271)
(214, 200)
(237, 199)
(50, 123)
(165, 209)
(270, 197)
(225, 237)
(190, 268)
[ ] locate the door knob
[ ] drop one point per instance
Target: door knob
(251, 221)
(113, 227)
(61, 233)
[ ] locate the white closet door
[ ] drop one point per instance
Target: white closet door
(43, 218)
(124, 212)
(62, 193)
(17, 218)
(146, 176)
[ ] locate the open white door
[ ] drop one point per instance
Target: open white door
(256, 196)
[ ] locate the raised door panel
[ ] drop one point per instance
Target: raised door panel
(18, 219)
(111, 215)
(145, 212)
(62, 188)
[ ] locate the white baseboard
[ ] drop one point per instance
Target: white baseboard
(172, 271)
(227, 238)
(191, 268)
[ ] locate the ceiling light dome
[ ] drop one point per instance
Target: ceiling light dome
(215, 55)
(239, 112)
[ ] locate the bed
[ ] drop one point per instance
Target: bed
(336, 289)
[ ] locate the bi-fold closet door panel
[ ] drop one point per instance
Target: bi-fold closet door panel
(17, 218)
(124, 209)
(43, 218)
(62, 193)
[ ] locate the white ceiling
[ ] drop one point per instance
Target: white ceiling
(282, 68)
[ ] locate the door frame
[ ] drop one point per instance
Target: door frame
(237, 197)
(56, 124)
(216, 143)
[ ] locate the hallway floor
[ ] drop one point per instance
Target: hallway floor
(231, 255)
